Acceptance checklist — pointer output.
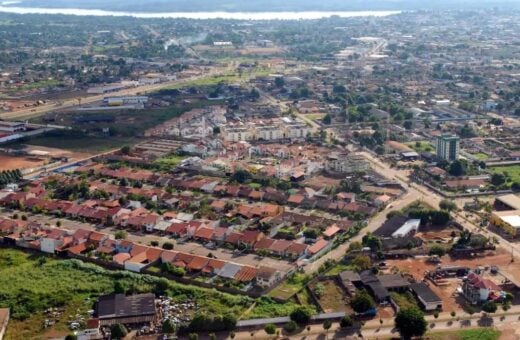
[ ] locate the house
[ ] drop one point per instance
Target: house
(52, 241)
(331, 231)
(348, 280)
(382, 200)
(393, 282)
(296, 250)
(266, 277)
(126, 309)
(427, 297)
(279, 247)
(318, 248)
(245, 274)
(250, 237)
(477, 289)
(92, 330)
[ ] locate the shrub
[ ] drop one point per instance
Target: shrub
(290, 327)
(346, 322)
(167, 246)
(301, 315)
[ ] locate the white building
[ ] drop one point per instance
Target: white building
(448, 147)
(344, 163)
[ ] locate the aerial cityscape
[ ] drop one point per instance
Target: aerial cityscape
(261, 169)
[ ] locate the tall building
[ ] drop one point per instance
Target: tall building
(448, 147)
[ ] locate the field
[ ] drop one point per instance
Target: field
(481, 156)
(467, 334)
(289, 287)
(512, 171)
(9, 162)
(423, 146)
(332, 297)
(32, 283)
(78, 142)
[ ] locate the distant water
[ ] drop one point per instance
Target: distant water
(197, 15)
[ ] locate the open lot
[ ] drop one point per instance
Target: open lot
(418, 267)
(512, 171)
(332, 297)
(10, 162)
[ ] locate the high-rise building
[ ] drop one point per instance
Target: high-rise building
(448, 147)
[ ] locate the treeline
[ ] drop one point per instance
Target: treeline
(10, 176)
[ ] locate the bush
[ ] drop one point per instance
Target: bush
(346, 322)
(154, 243)
(290, 327)
(489, 307)
(167, 246)
(301, 315)
(437, 250)
(120, 235)
(270, 328)
(362, 302)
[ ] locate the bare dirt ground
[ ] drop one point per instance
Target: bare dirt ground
(334, 298)
(418, 267)
(8, 162)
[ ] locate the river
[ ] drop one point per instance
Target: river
(196, 15)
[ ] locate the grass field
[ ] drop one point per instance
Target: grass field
(512, 171)
(38, 85)
(481, 156)
(423, 146)
(225, 78)
(467, 334)
(79, 142)
(168, 162)
(289, 287)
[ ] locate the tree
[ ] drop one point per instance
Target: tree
(437, 250)
(193, 336)
(362, 262)
(457, 169)
(301, 315)
(270, 328)
(489, 307)
(212, 336)
(216, 130)
(290, 327)
(448, 205)
(327, 324)
(120, 235)
(154, 243)
(410, 322)
(346, 322)
(372, 241)
(71, 337)
(167, 246)
(118, 331)
(279, 82)
(362, 302)
(497, 179)
(168, 327)
(241, 176)
(327, 119)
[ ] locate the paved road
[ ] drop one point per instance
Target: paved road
(421, 192)
(509, 320)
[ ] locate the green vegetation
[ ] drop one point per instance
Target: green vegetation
(410, 322)
(481, 156)
(77, 141)
(404, 300)
(32, 283)
(421, 146)
(267, 307)
(168, 162)
(511, 172)
(291, 286)
(467, 334)
(39, 85)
